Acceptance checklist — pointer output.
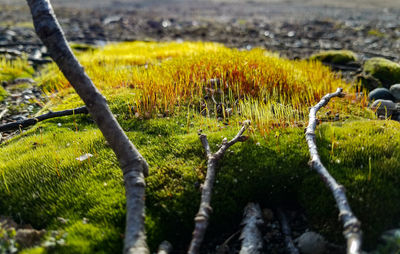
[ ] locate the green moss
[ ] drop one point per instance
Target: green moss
(386, 71)
(13, 69)
(365, 158)
(41, 180)
(35, 250)
(269, 170)
(335, 56)
(88, 238)
(3, 93)
(376, 33)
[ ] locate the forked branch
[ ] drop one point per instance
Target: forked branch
(351, 225)
(202, 217)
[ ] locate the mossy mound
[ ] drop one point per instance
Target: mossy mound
(335, 56)
(42, 180)
(386, 71)
(82, 204)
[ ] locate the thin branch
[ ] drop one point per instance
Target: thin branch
(252, 242)
(351, 224)
(132, 163)
(202, 217)
(32, 121)
(287, 233)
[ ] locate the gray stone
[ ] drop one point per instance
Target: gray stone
(311, 243)
(395, 90)
(384, 107)
(380, 94)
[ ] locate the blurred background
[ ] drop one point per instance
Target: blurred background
(294, 28)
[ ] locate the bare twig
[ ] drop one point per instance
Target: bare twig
(132, 163)
(164, 248)
(201, 219)
(351, 224)
(252, 242)
(32, 121)
(287, 233)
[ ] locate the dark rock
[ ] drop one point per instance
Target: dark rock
(384, 107)
(380, 94)
(154, 24)
(368, 82)
(311, 243)
(395, 91)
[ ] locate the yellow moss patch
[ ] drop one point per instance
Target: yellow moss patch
(159, 78)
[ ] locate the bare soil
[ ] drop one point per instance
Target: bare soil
(294, 28)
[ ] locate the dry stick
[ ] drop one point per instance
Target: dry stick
(201, 219)
(252, 241)
(133, 165)
(351, 225)
(287, 233)
(32, 121)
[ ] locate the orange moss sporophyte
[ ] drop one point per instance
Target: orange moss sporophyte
(160, 78)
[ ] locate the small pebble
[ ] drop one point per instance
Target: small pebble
(380, 94)
(311, 243)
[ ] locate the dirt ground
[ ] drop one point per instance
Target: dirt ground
(295, 28)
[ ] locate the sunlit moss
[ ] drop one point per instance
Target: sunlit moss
(12, 69)
(161, 77)
(161, 102)
(386, 71)
(365, 158)
(335, 56)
